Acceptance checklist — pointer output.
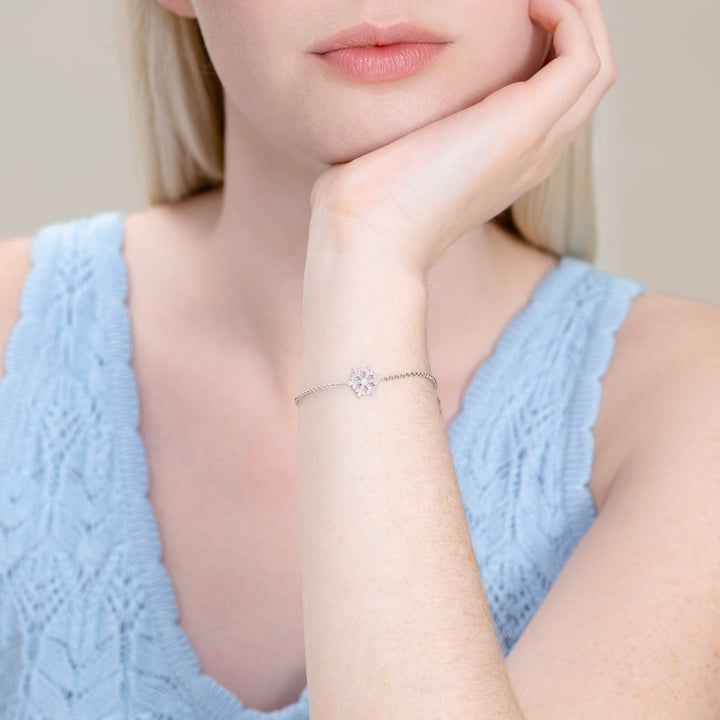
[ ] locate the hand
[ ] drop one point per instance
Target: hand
(409, 200)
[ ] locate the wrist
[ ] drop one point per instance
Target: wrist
(364, 283)
(357, 310)
(336, 241)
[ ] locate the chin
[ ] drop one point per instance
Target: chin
(347, 149)
(344, 138)
(340, 130)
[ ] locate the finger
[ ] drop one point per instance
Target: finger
(573, 121)
(558, 86)
(592, 14)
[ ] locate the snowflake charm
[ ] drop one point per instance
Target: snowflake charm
(364, 381)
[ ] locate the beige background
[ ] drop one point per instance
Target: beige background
(66, 148)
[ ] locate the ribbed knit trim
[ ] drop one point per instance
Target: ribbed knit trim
(583, 411)
(20, 350)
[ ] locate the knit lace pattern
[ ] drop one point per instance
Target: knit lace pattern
(88, 617)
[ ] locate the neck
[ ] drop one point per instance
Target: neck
(247, 246)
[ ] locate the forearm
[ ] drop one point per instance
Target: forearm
(395, 619)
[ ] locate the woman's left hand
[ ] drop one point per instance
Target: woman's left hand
(407, 201)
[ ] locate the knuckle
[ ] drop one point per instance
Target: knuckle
(540, 173)
(535, 139)
(546, 170)
(611, 72)
(594, 64)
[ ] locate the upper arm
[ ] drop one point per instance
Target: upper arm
(631, 626)
(14, 266)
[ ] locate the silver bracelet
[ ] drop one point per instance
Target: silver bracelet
(363, 381)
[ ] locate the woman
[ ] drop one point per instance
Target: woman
(482, 529)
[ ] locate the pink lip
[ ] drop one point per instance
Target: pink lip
(370, 53)
(368, 35)
(381, 63)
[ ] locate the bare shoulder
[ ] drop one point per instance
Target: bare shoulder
(661, 318)
(665, 375)
(665, 337)
(15, 263)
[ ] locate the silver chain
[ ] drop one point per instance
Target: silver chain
(363, 381)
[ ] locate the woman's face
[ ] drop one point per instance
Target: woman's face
(261, 52)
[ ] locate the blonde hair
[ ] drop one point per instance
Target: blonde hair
(177, 112)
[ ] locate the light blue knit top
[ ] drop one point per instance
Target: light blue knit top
(88, 617)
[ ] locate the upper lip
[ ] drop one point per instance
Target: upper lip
(367, 34)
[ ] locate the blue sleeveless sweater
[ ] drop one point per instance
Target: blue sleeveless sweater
(88, 618)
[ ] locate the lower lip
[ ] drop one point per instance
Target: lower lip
(381, 63)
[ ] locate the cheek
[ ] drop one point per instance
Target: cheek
(505, 44)
(254, 49)
(229, 32)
